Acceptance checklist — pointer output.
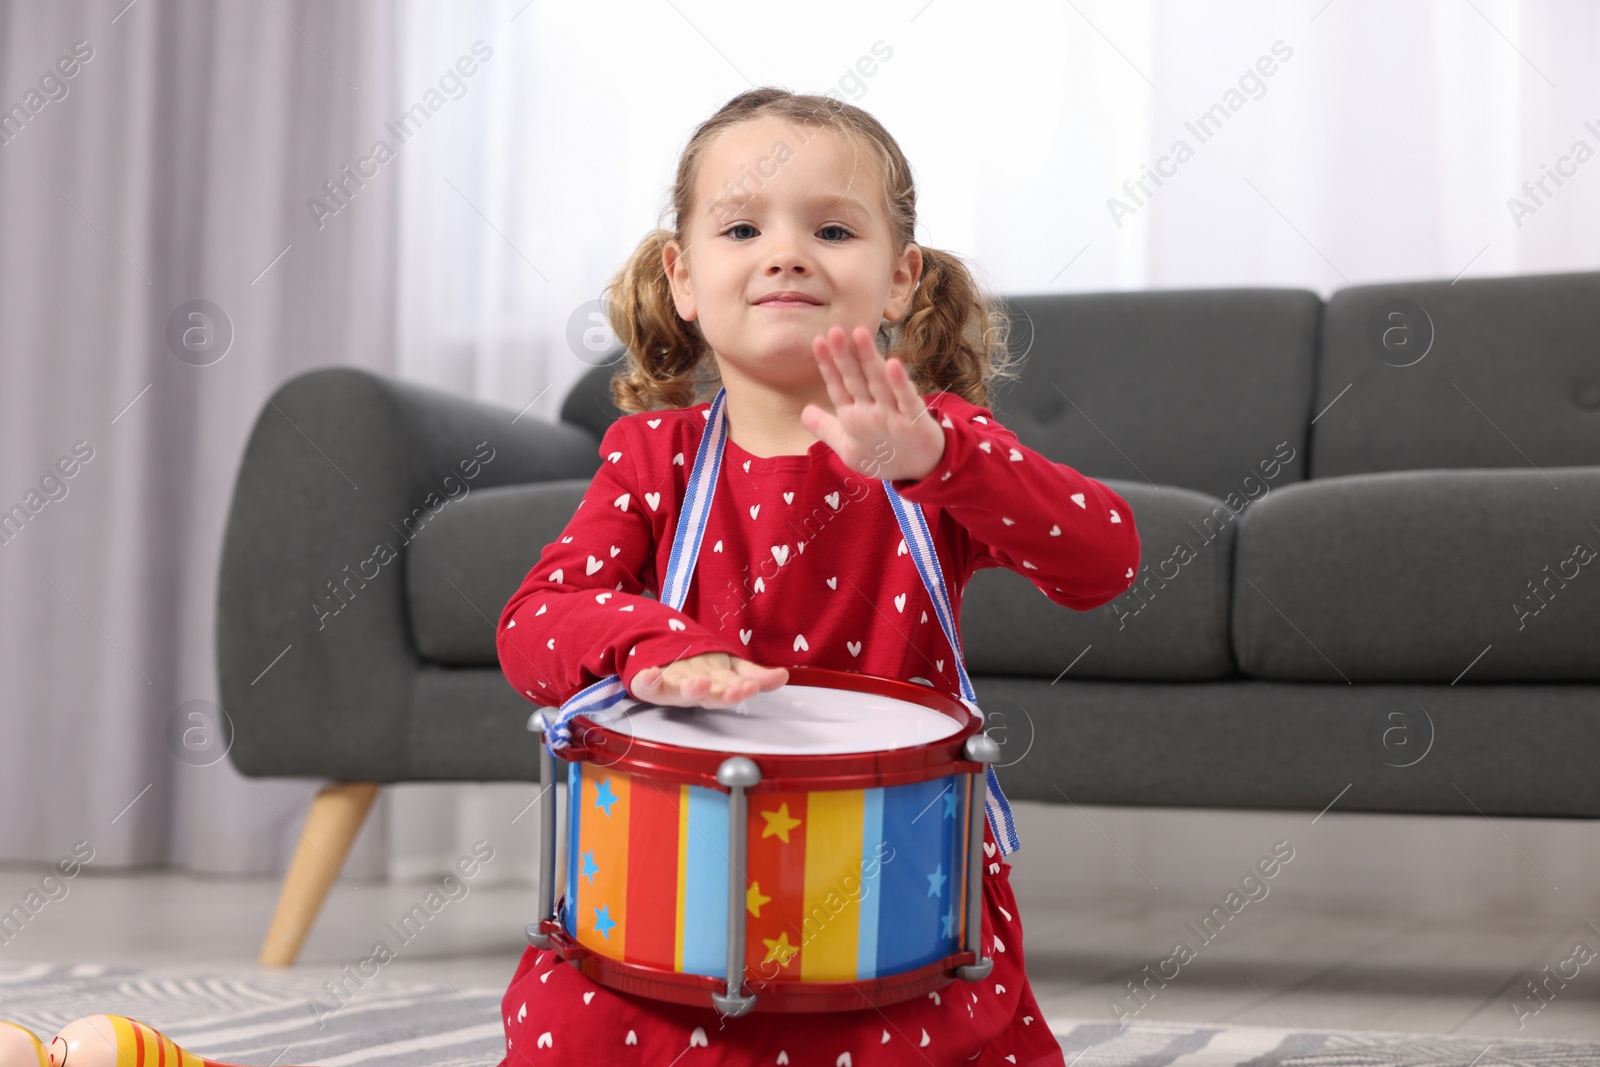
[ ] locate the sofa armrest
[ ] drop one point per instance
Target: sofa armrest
(344, 467)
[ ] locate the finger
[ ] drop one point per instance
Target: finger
(653, 687)
(715, 694)
(682, 692)
(766, 677)
(830, 372)
(871, 362)
(820, 424)
(728, 686)
(697, 686)
(909, 401)
(845, 359)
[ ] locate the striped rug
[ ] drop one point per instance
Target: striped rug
(274, 1019)
(261, 1018)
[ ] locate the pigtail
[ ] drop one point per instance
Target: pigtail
(954, 339)
(664, 353)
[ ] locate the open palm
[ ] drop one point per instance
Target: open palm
(880, 425)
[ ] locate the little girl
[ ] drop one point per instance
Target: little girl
(792, 248)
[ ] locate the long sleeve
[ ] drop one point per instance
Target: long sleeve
(1065, 532)
(581, 615)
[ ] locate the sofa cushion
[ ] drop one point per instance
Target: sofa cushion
(1171, 624)
(1424, 576)
(1512, 377)
(464, 566)
(1189, 388)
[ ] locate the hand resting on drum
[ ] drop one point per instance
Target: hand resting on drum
(711, 680)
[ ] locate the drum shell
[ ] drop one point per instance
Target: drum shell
(856, 866)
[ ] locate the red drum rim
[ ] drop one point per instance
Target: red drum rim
(777, 995)
(605, 747)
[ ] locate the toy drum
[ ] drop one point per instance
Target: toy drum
(816, 848)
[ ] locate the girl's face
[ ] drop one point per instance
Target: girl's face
(772, 213)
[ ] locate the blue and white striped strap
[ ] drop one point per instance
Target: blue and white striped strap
(919, 541)
(691, 530)
(696, 509)
(597, 697)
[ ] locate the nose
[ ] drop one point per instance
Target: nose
(785, 253)
(784, 262)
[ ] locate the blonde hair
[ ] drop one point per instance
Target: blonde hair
(951, 339)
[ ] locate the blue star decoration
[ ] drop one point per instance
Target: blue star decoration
(936, 881)
(604, 797)
(603, 922)
(949, 919)
(590, 869)
(950, 804)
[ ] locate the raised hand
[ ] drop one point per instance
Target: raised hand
(709, 680)
(880, 425)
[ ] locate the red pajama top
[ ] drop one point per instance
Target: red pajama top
(802, 562)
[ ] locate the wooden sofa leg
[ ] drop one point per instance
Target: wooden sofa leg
(335, 818)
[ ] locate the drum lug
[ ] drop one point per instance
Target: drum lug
(982, 750)
(736, 774)
(973, 972)
(732, 1005)
(547, 835)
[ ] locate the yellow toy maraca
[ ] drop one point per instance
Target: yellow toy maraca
(96, 1041)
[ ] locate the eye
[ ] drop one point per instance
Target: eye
(847, 234)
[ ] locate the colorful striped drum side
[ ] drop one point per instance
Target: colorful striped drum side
(647, 876)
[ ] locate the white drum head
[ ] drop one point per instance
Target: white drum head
(796, 720)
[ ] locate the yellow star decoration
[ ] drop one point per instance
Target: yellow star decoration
(779, 823)
(753, 899)
(780, 949)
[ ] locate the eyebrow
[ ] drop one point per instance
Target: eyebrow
(820, 199)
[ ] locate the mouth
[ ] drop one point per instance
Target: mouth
(788, 299)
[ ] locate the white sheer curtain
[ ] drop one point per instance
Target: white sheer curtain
(1383, 145)
(173, 164)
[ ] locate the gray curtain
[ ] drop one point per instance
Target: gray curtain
(157, 154)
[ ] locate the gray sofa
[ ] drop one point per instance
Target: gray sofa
(1367, 528)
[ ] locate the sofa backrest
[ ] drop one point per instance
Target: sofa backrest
(1205, 388)
(1480, 372)
(1201, 388)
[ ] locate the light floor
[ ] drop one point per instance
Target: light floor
(1278, 963)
